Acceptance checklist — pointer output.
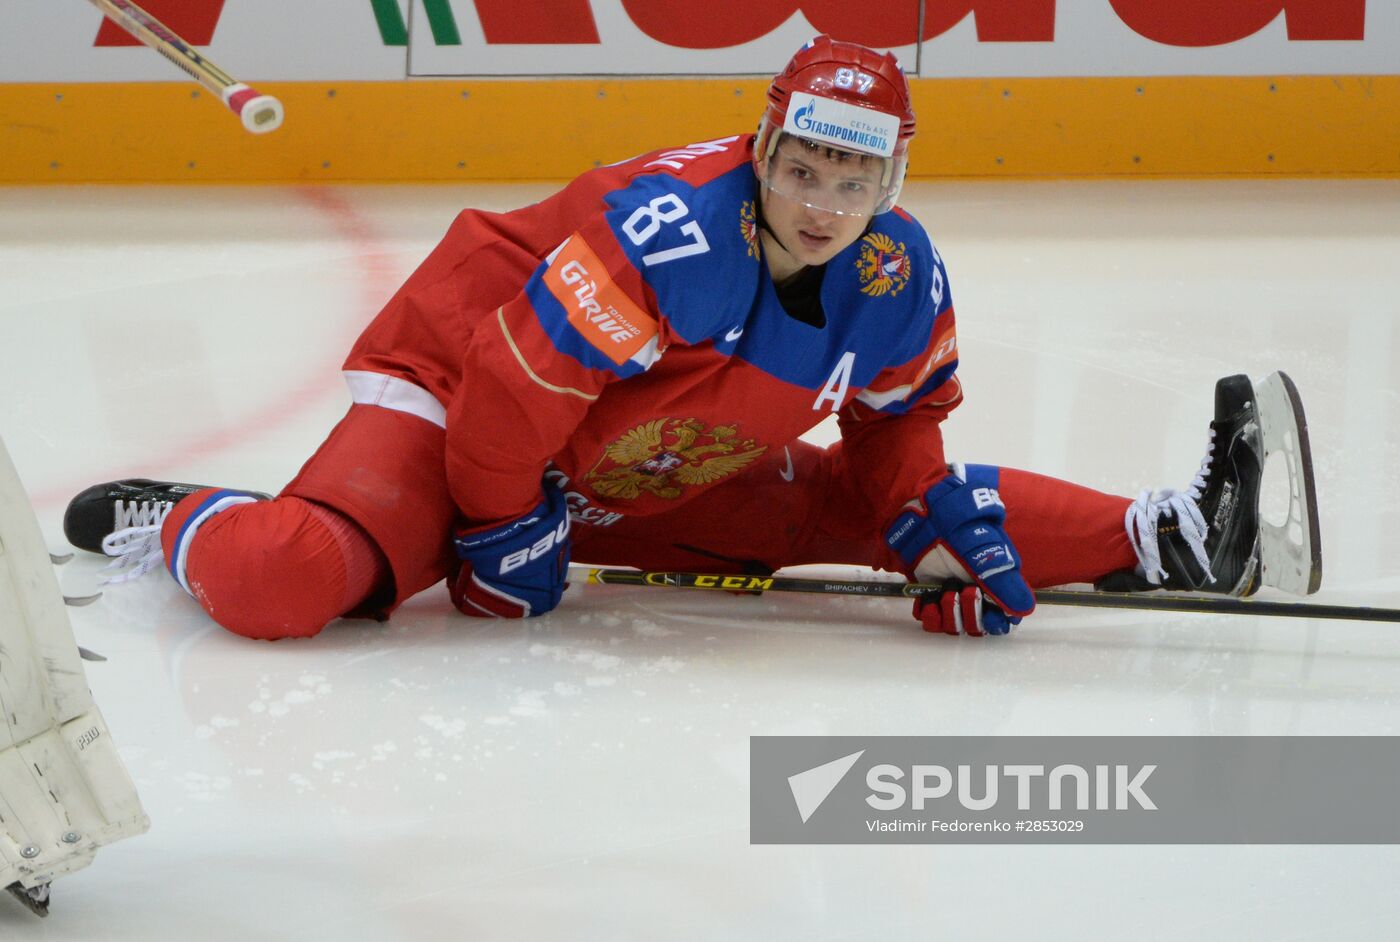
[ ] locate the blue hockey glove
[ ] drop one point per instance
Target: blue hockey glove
(516, 569)
(957, 535)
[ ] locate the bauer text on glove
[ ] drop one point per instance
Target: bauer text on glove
(956, 534)
(515, 569)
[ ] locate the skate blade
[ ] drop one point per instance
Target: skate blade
(35, 900)
(78, 601)
(1291, 554)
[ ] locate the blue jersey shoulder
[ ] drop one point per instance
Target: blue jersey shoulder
(885, 292)
(695, 245)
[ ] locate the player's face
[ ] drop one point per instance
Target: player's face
(817, 200)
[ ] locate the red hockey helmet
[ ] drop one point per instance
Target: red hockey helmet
(837, 99)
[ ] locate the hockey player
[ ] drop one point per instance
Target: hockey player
(621, 373)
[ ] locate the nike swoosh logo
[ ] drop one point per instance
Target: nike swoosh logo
(787, 473)
(734, 334)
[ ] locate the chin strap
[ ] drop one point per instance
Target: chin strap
(761, 220)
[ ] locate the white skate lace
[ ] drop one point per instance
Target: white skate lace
(1198, 484)
(136, 550)
(1141, 522)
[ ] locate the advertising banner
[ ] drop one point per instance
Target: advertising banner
(958, 39)
(313, 40)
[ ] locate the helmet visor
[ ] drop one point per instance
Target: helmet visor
(828, 178)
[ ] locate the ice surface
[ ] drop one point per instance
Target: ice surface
(584, 775)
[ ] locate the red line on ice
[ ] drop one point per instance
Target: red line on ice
(322, 378)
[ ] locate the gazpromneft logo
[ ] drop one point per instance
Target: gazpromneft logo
(596, 307)
(841, 124)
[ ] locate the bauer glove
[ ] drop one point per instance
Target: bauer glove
(956, 534)
(515, 569)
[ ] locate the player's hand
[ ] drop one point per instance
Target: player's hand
(963, 610)
(956, 533)
(515, 569)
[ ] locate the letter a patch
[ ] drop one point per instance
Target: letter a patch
(836, 386)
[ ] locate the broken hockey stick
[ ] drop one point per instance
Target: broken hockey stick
(1141, 601)
(259, 113)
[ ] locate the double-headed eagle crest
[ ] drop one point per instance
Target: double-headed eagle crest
(748, 225)
(663, 454)
(883, 266)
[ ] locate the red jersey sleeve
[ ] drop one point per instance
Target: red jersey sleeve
(891, 431)
(530, 373)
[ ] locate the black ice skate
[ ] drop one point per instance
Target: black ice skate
(103, 509)
(1211, 537)
(34, 898)
(123, 518)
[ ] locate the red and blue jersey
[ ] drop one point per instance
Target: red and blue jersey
(625, 337)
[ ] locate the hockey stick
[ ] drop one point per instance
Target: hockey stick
(260, 113)
(1142, 601)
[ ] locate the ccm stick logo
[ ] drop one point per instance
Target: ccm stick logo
(1100, 787)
